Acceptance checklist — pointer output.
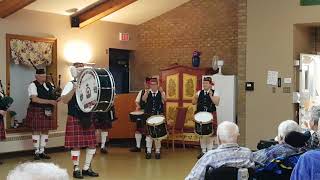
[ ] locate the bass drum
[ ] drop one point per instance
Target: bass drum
(96, 90)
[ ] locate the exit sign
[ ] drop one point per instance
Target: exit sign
(124, 36)
(309, 2)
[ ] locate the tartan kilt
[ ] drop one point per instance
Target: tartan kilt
(2, 130)
(36, 119)
(141, 126)
(77, 137)
(102, 125)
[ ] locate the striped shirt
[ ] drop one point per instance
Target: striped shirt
(229, 155)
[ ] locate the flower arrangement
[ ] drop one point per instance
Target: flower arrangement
(196, 53)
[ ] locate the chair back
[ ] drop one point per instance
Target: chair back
(180, 118)
(228, 173)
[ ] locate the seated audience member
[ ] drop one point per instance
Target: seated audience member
(312, 125)
(283, 149)
(307, 167)
(228, 153)
(38, 171)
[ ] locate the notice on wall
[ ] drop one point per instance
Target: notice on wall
(272, 78)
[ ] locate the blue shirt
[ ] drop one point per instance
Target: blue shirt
(308, 167)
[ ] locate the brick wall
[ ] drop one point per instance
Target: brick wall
(210, 26)
(214, 27)
(241, 68)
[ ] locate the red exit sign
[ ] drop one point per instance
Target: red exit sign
(124, 36)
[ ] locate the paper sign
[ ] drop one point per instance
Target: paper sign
(272, 78)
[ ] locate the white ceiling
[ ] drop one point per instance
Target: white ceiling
(135, 13)
(58, 6)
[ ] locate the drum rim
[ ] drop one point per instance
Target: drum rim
(156, 124)
(196, 121)
(142, 113)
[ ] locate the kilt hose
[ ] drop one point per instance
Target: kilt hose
(36, 119)
(78, 137)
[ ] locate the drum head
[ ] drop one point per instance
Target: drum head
(203, 117)
(155, 120)
(137, 113)
(87, 92)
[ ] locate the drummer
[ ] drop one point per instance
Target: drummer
(80, 131)
(140, 125)
(207, 100)
(103, 121)
(154, 99)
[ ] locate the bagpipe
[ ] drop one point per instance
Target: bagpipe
(5, 101)
(56, 92)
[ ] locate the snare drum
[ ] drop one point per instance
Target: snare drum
(137, 116)
(203, 123)
(157, 127)
(96, 90)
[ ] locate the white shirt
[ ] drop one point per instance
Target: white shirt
(67, 88)
(139, 96)
(32, 89)
(216, 93)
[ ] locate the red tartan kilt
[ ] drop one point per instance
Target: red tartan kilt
(36, 120)
(2, 130)
(77, 137)
(103, 125)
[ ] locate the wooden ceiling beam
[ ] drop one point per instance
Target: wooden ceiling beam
(8, 7)
(97, 11)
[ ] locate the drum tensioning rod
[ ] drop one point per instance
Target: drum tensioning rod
(106, 88)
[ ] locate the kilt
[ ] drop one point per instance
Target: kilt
(2, 130)
(141, 126)
(105, 125)
(77, 137)
(36, 120)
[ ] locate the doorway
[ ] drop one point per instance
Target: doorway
(119, 67)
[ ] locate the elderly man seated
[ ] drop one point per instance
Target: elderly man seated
(38, 171)
(228, 153)
(311, 123)
(283, 149)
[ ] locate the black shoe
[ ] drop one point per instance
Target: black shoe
(90, 173)
(77, 174)
(44, 156)
(104, 150)
(135, 149)
(200, 155)
(148, 155)
(37, 156)
(158, 156)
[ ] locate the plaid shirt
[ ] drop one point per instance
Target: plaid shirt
(230, 155)
(264, 156)
(313, 142)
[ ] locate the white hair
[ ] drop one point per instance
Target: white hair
(228, 132)
(38, 171)
(285, 127)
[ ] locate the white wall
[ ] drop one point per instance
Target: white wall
(270, 33)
